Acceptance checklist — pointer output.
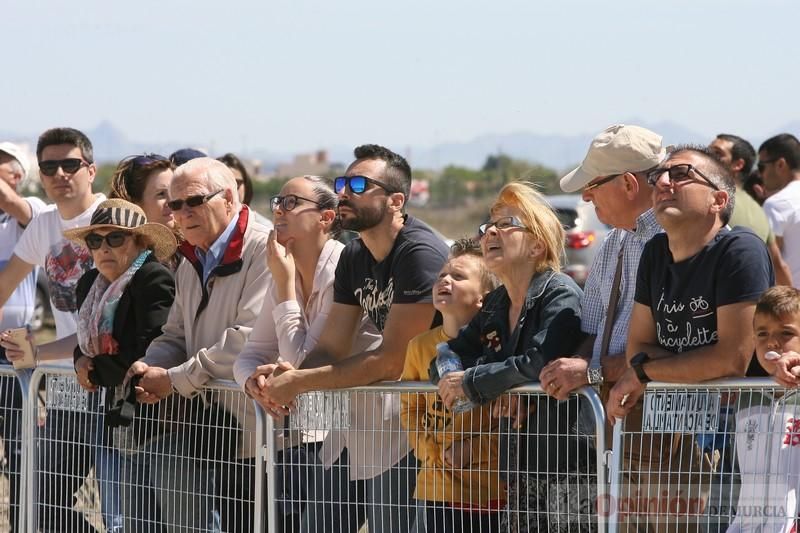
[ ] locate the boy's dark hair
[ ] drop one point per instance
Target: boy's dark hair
(398, 172)
(71, 136)
(467, 246)
(779, 301)
(784, 146)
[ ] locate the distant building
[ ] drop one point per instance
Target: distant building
(315, 164)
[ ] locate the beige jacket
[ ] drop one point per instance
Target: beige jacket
(209, 325)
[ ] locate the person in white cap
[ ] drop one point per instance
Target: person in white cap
(15, 214)
(613, 178)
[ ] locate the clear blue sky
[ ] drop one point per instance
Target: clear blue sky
(294, 75)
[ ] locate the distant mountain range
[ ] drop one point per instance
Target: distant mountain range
(557, 151)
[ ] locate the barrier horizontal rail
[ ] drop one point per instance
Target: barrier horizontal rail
(717, 456)
(404, 463)
(180, 465)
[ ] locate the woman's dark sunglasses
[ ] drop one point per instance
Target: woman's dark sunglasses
(357, 184)
(501, 224)
(192, 201)
(69, 166)
(114, 239)
(144, 159)
(288, 202)
(677, 174)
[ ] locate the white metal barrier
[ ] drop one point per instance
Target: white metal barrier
(13, 455)
(721, 456)
(411, 465)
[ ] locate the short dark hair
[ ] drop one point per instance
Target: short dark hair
(398, 172)
(784, 146)
(749, 186)
(467, 246)
(130, 178)
(715, 170)
(71, 136)
(233, 161)
(740, 149)
(779, 301)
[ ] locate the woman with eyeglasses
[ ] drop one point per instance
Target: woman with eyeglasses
(302, 254)
(122, 304)
(144, 180)
(531, 319)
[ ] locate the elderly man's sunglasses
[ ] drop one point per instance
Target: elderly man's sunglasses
(677, 174)
(192, 201)
(115, 239)
(357, 184)
(69, 166)
(288, 202)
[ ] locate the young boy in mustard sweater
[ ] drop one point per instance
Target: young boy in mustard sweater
(458, 480)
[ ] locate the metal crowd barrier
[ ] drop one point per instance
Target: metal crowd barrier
(721, 456)
(715, 457)
(410, 466)
(181, 465)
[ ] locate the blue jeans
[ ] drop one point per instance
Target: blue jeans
(182, 488)
(341, 505)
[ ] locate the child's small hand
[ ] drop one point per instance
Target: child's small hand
(787, 369)
(458, 454)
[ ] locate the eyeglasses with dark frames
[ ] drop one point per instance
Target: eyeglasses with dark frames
(358, 184)
(603, 181)
(192, 201)
(677, 174)
(69, 166)
(115, 239)
(501, 223)
(288, 202)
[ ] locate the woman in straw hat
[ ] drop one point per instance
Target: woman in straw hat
(123, 303)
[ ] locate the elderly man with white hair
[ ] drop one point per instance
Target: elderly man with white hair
(220, 287)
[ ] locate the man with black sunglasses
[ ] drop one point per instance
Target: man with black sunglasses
(387, 273)
(692, 318)
(779, 165)
(220, 288)
(66, 169)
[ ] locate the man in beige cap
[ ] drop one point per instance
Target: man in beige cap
(613, 178)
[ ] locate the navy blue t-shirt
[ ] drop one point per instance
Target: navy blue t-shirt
(683, 297)
(405, 276)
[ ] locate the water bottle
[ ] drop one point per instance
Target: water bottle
(448, 361)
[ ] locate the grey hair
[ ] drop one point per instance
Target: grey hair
(716, 171)
(216, 174)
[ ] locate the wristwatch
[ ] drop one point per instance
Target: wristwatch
(637, 363)
(594, 375)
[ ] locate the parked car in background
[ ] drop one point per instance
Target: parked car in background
(584, 230)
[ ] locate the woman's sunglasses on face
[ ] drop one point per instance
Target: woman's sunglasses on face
(69, 166)
(192, 201)
(501, 224)
(115, 239)
(357, 184)
(288, 202)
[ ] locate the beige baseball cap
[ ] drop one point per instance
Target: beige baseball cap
(618, 149)
(17, 153)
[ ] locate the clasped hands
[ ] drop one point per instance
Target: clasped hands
(273, 386)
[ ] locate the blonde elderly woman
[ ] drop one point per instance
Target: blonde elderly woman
(532, 318)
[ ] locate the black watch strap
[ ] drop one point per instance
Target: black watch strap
(637, 363)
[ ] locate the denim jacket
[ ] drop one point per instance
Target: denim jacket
(549, 326)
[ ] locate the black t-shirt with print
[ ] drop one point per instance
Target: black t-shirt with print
(405, 276)
(683, 297)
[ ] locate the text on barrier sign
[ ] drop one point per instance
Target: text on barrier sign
(64, 393)
(681, 412)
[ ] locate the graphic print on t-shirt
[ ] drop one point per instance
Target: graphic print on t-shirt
(686, 323)
(374, 301)
(65, 264)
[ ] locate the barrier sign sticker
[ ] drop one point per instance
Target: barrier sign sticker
(63, 392)
(680, 412)
(321, 410)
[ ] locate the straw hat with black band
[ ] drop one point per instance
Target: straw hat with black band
(118, 214)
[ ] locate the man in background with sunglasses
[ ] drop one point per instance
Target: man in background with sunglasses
(387, 273)
(779, 165)
(739, 156)
(66, 170)
(692, 320)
